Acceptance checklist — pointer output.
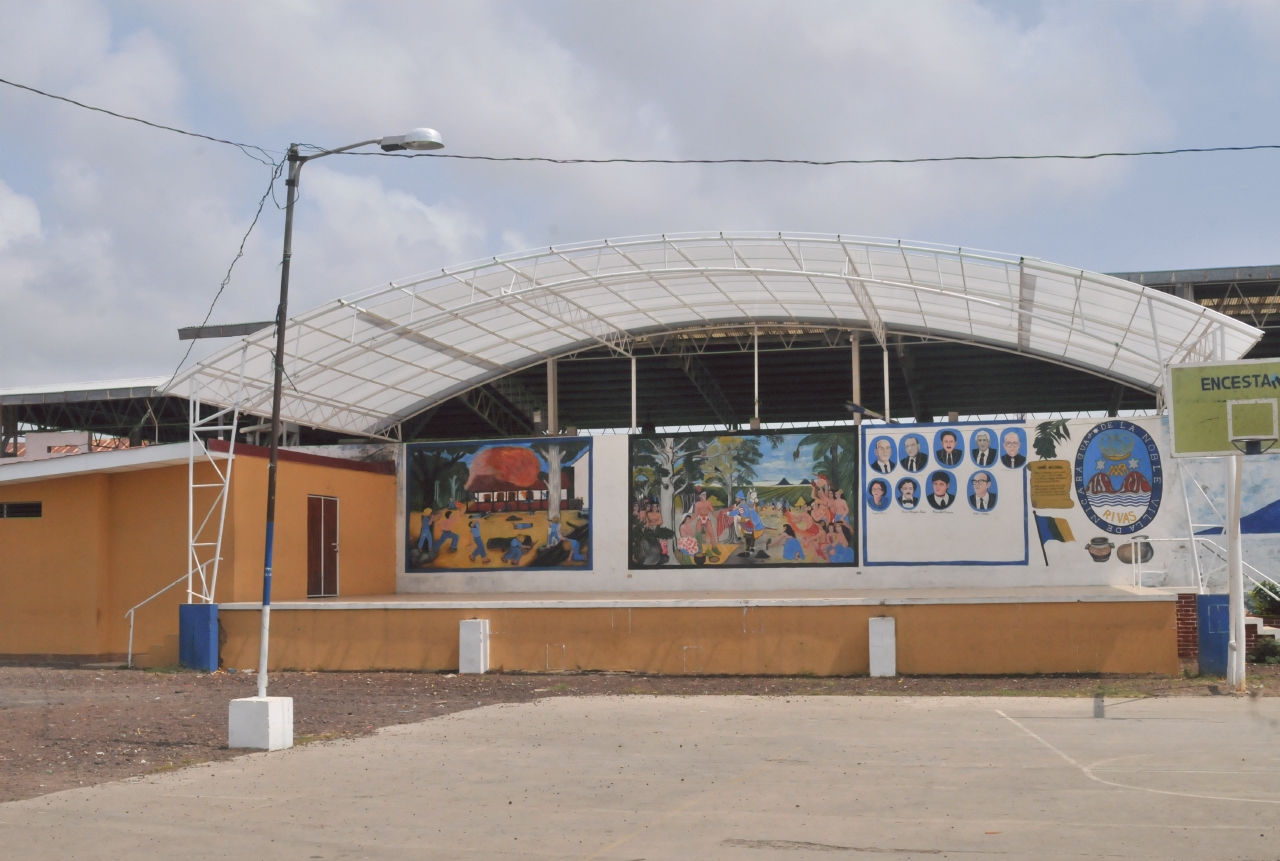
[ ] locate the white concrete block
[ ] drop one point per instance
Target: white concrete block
(883, 643)
(261, 723)
(473, 646)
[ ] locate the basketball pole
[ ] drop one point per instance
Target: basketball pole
(1235, 576)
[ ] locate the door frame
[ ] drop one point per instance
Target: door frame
(337, 550)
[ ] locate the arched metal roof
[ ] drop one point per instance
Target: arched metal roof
(364, 363)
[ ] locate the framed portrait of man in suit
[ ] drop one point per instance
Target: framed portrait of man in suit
(913, 452)
(942, 490)
(882, 455)
(982, 447)
(1013, 443)
(948, 449)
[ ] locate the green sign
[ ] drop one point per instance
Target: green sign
(1216, 407)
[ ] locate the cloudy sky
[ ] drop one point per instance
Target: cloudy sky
(112, 235)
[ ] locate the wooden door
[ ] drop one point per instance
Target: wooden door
(322, 546)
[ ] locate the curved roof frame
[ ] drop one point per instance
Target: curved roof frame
(364, 363)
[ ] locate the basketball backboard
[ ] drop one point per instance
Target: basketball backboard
(1222, 408)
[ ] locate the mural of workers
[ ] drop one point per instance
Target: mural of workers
(913, 456)
(949, 451)
(942, 490)
(481, 504)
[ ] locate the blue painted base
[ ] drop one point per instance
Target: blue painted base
(1213, 617)
(198, 636)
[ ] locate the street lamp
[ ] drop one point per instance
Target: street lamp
(417, 139)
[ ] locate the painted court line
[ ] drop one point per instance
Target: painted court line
(1088, 772)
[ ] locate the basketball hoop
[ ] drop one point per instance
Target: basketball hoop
(1253, 426)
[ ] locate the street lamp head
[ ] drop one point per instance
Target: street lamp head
(418, 139)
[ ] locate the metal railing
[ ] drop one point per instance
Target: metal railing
(130, 614)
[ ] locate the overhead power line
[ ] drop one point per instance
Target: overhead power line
(828, 162)
(268, 159)
(263, 156)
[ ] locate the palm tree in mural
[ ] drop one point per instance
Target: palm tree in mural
(835, 456)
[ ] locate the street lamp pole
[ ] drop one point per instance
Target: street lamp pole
(418, 139)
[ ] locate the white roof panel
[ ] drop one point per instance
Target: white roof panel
(366, 362)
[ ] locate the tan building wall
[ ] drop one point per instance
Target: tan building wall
(106, 541)
(1066, 637)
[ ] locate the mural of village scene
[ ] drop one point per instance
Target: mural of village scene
(507, 504)
(744, 499)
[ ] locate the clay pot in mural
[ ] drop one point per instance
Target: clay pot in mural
(1099, 549)
(699, 559)
(1125, 552)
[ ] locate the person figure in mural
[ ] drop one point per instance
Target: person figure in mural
(941, 498)
(842, 551)
(840, 509)
(1012, 457)
(750, 523)
(424, 534)
(703, 517)
(907, 494)
(884, 457)
(913, 459)
(792, 550)
(515, 552)
(983, 453)
(879, 492)
(687, 543)
(446, 523)
(826, 541)
(948, 455)
(479, 542)
(981, 498)
(553, 531)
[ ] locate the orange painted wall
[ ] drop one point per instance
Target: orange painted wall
(53, 568)
(107, 541)
(366, 529)
(952, 639)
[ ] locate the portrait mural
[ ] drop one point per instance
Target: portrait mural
(736, 500)
(948, 447)
(914, 452)
(498, 504)
(947, 498)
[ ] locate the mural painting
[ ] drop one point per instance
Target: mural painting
(498, 504)
(744, 499)
(945, 495)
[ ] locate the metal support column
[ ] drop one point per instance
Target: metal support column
(553, 398)
(755, 409)
(1235, 576)
(886, 384)
(635, 417)
(855, 359)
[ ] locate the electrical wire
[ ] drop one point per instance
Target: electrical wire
(266, 158)
(263, 156)
(822, 163)
(276, 169)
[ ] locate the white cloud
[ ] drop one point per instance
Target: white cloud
(121, 233)
(19, 217)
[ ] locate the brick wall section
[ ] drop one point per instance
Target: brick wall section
(1250, 637)
(1188, 626)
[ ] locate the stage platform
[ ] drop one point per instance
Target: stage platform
(1070, 629)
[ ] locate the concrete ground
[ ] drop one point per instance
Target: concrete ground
(627, 778)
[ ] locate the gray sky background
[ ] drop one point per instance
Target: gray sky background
(113, 235)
